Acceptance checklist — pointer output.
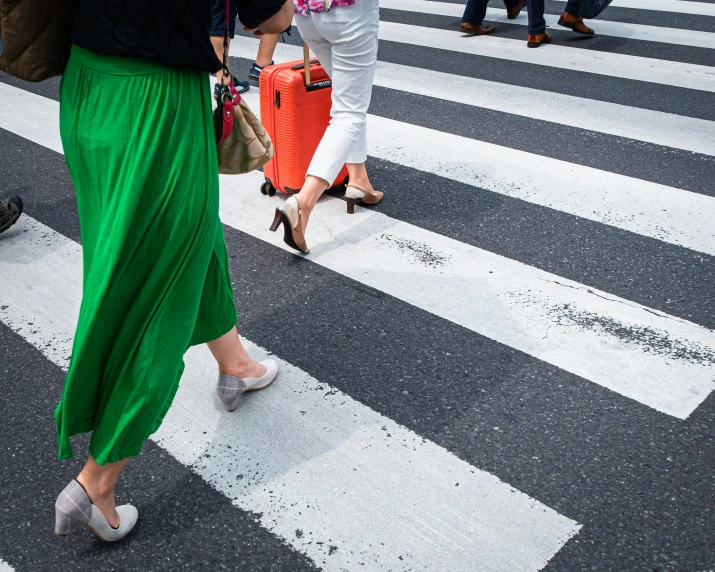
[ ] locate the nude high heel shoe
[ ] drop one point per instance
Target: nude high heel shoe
(289, 215)
(73, 505)
(354, 193)
(231, 388)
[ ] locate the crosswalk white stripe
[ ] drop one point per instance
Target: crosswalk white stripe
(676, 6)
(304, 456)
(656, 359)
(676, 36)
(672, 215)
(5, 567)
(613, 342)
(677, 131)
(678, 74)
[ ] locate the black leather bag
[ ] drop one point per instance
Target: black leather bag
(591, 8)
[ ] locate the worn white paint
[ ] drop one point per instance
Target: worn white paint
(5, 567)
(667, 129)
(602, 27)
(665, 213)
(676, 6)
(678, 74)
(343, 484)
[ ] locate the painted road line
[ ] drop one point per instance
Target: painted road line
(672, 215)
(676, 6)
(678, 74)
(676, 216)
(667, 129)
(5, 567)
(343, 484)
(676, 36)
(656, 359)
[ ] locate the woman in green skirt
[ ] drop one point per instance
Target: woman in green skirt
(138, 136)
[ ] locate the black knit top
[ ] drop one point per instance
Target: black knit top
(171, 32)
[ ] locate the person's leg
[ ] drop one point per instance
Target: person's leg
(572, 7)
(98, 482)
(537, 24)
(218, 27)
(353, 57)
(217, 43)
(472, 20)
(264, 57)
(266, 47)
(474, 12)
(232, 357)
(315, 184)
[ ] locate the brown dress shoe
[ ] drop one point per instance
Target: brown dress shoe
(537, 40)
(575, 23)
(476, 30)
(516, 10)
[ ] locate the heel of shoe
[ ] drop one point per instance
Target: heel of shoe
(230, 389)
(351, 204)
(63, 523)
(72, 506)
(277, 219)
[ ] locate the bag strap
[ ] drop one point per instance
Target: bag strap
(227, 93)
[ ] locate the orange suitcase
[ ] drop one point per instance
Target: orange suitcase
(295, 113)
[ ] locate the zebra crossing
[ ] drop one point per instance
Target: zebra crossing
(450, 398)
(605, 27)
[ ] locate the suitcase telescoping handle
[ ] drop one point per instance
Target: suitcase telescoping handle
(311, 86)
(306, 63)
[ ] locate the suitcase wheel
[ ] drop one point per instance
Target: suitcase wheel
(268, 189)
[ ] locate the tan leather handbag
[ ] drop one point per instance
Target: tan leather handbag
(242, 143)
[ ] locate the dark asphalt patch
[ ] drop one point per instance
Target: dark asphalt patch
(420, 251)
(649, 340)
(184, 524)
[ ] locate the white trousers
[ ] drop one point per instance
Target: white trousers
(345, 41)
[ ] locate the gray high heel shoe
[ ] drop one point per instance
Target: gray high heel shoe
(73, 505)
(230, 388)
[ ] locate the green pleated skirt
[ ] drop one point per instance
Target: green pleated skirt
(139, 143)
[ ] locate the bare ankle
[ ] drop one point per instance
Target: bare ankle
(97, 489)
(244, 369)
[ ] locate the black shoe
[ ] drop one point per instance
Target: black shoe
(10, 211)
(254, 74)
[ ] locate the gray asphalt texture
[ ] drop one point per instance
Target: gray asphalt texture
(642, 483)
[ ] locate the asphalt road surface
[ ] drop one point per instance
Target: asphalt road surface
(507, 365)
